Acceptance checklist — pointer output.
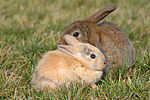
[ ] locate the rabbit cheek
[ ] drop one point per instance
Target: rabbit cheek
(97, 66)
(62, 42)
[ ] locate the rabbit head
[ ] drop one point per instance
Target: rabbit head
(87, 54)
(86, 30)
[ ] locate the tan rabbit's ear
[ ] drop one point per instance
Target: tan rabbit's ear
(71, 40)
(69, 50)
(101, 14)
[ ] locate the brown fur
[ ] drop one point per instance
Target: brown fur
(115, 44)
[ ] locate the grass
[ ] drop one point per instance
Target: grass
(29, 28)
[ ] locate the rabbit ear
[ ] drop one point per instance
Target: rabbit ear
(97, 42)
(99, 46)
(69, 50)
(101, 14)
(71, 40)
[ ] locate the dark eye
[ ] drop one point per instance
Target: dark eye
(76, 34)
(93, 56)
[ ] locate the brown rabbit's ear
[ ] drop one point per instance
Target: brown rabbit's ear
(101, 14)
(71, 40)
(97, 42)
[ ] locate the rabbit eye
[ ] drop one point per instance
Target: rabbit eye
(76, 34)
(93, 56)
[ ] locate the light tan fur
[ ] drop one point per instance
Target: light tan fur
(69, 63)
(116, 46)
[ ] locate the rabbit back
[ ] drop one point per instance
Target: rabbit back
(117, 46)
(53, 69)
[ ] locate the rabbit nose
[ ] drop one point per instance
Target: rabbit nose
(104, 62)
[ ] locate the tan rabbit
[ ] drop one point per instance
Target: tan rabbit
(75, 61)
(116, 45)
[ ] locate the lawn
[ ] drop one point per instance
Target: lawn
(30, 28)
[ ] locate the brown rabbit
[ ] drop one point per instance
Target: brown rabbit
(75, 61)
(116, 45)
